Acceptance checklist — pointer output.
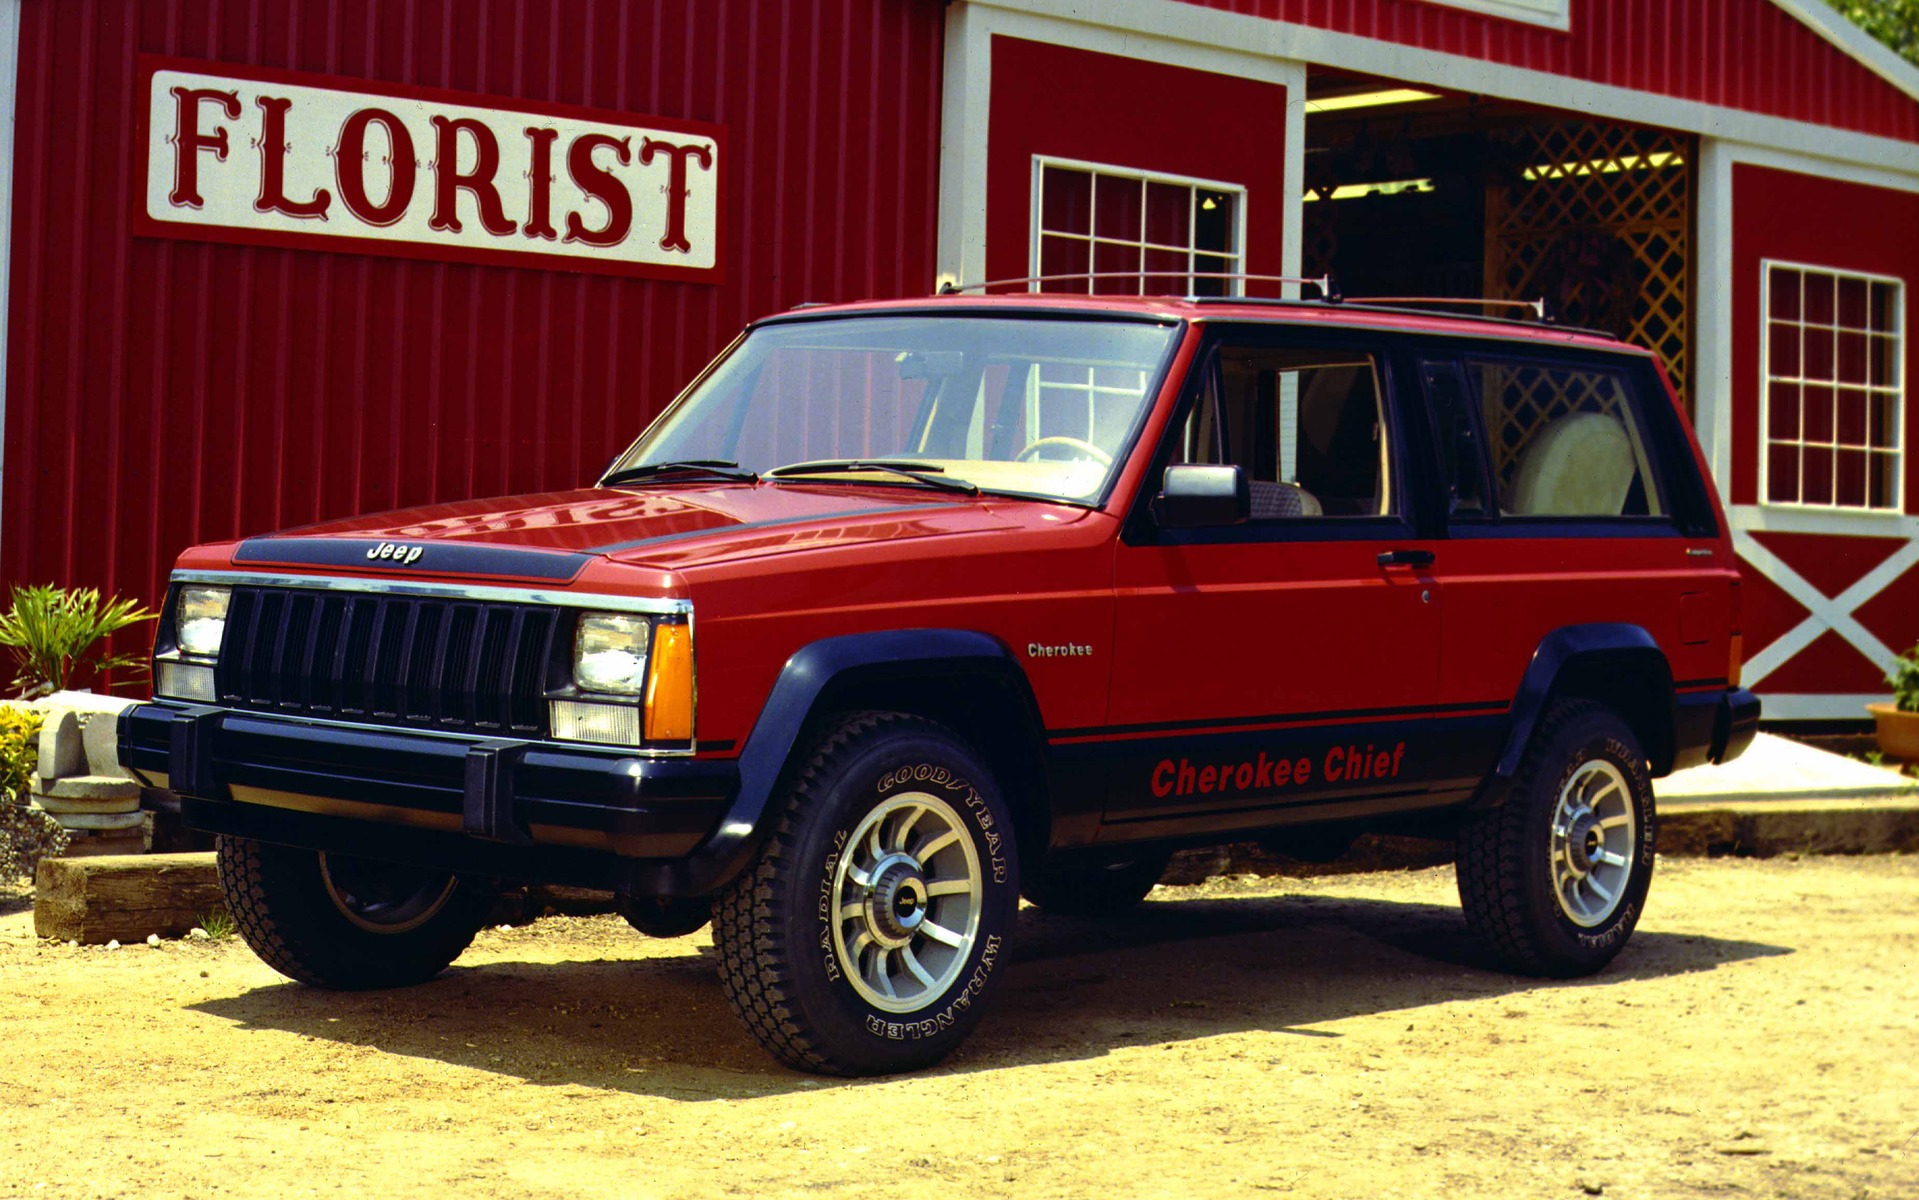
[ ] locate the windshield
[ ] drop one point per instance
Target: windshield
(1041, 407)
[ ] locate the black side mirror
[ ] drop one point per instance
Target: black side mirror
(1197, 496)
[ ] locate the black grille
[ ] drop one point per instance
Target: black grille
(389, 660)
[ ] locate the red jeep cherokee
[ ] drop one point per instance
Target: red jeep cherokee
(904, 610)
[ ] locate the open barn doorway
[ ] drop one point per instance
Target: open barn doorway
(1415, 192)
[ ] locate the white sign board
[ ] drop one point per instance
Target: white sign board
(285, 159)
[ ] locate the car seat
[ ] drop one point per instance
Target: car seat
(1579, 465)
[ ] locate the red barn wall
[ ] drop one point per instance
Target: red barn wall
(165, 392)
(1117, 113)
(1823, 222)
(1810, 219)
(1744, 54)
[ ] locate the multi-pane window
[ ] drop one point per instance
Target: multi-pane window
(1834, 387)
(1117, 232)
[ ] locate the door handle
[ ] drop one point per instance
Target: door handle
(1406, 558)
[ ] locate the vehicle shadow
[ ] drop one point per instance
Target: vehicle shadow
(1074, 989)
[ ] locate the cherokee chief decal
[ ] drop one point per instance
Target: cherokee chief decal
(1341, 764)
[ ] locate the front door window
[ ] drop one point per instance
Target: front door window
(1307, 427)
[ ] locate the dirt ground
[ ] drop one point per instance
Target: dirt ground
(1315, 1038)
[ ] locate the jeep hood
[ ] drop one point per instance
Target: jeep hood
(551, 536)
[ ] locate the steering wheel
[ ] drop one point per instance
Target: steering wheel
(1086, 450)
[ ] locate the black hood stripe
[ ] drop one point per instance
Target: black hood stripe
(420, 556)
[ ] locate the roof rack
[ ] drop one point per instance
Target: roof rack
(1329, 294)
(1327, 290)
(1538, 306)
(1376, 306)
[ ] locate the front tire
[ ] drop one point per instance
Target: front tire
(346, 923)
(1555, 879)
(866, 937)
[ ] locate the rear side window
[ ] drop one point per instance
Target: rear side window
(1565, 440)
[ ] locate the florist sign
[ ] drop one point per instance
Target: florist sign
(283, 159)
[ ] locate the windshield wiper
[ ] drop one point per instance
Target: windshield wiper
(716, 468)
(926, 474)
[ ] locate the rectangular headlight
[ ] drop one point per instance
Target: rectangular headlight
(200, 621)
(609, 654)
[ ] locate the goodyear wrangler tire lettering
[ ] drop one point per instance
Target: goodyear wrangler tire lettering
(1555, 879)
(865, 938)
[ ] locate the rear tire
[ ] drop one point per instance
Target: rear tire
(335, 921)
(1554, 880)
(865, 938)
(1096, 889)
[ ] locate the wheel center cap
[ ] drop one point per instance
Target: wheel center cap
(1583, 841)
(897, 904)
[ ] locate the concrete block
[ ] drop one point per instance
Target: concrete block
(63, 750)
(89, 787)
(118, 820)
(61, 805)
(102, 738)
(81, 734)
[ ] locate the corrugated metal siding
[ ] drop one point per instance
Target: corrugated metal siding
(1746, 54)
(161, 393)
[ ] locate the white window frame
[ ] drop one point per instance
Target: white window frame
(1896, 506)
(1236, 254)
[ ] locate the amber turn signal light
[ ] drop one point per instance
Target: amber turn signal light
(669, 686)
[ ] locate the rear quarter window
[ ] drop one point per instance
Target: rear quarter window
(1585, 440)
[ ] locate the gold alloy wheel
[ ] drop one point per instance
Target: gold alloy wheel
(1594, 837)
(908, 893)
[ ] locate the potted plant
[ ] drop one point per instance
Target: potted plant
(1898, 722)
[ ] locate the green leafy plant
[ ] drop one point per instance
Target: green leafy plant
(58, 637)
(219, 925)
(27, 835)
(1894, 22)
(1904, 678)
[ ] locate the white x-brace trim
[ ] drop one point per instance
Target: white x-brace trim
(1824, 612)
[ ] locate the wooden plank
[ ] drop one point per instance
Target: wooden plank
(123, 897)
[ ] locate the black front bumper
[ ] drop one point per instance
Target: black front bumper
(537, 811)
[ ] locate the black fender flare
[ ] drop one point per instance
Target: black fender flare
(1582, 646)
(803, 690)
